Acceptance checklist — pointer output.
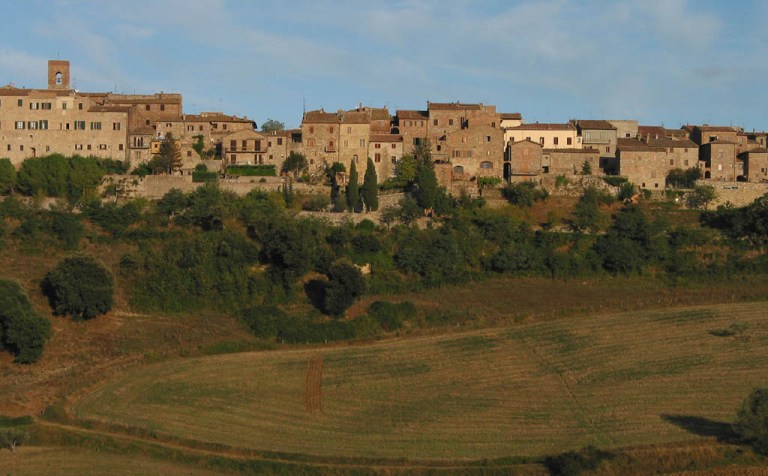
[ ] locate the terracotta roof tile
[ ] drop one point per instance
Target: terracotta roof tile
(452, 106)
(537, 126)
(594, 124)
(386, 138)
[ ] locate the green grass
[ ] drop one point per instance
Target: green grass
(529, 390)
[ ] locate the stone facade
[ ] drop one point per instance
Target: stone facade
(643, 165)
(550, 136)
(598, 135)
(524, 159)
(385, 150)
(755, 165)
(570, 161)
(720, 161)
(247, 147)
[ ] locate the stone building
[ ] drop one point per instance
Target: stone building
(755, 165)
(642, 164)
(720, 161)
(681, 153)
(524, 161)
(570, 161)
(413, 126)
(625, 128)
(385, 150)
(597, 134)
(550, 136)
(246, 147)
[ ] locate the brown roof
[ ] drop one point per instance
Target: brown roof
(109, 109)
(572, 151)
(651, 131)
(451, 106)
(513, 116)
(143, 131)
(673, 143)
(386, 138)
(355, 117)
(380, 114)
(715, 129)
(537, 126)
(320, 117)
(411, 114)
(594, 124)
(719, 142)
(634, 145)
(759, 150)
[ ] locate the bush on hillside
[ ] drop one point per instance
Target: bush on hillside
(80, 286)
(752, 420)
(22, 331)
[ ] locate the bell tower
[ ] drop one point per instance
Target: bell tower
(58, 74)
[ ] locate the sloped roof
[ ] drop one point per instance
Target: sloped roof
(452, 106)
(572, 151)
(320, 117)
(715, 129)
(673, 143)
(511, 116)
(540, 126)
(594, 124)
(411, 114)
(634, 145)
(386, 138)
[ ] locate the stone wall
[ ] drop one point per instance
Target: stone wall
(737, 193)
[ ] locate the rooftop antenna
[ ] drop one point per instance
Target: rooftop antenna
(303, 105)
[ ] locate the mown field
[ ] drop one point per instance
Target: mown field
(46, 461)
(613, 380)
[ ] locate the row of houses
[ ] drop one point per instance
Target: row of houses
(468, 141)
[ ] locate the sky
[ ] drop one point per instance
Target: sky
(661, 62)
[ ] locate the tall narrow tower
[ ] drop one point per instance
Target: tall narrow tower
(58, 74)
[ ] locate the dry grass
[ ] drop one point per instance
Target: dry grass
(614, 380)
(46, 461)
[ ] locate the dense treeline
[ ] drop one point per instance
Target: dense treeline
(210, 249)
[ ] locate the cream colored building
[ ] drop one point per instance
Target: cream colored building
(549, 136)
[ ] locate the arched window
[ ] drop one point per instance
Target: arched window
(458, 169)
(486, 165)
(59, 77)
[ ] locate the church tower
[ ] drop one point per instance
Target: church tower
(58, 74)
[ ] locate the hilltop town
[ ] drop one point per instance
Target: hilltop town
(468, 141)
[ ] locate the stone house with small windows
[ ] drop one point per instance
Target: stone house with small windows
(412, 125)
(548, 135)
(385, 150)
(755, 165)
(642, 164)
(246, 147)
(524, 161)
(720, 161)
(597, 134)
(625, 128)
(681, 153)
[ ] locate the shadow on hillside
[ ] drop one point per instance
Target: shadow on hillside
(703, 427)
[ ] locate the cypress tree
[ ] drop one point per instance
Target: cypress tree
(370, 190)
(353, 189)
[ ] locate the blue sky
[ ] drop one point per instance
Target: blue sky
(657, 61)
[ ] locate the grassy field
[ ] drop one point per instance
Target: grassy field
(527, 389)
(46, 461)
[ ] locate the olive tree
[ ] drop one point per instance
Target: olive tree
(752, 420)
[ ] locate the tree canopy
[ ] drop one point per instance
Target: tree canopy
(295, 164)
(370, 190)
(80, 286)
(22, 331)
(272, 125)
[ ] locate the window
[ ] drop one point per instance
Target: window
(79, 125)
(89, 146)
(354, 157)
(556, 140)
(46, 106)
(189, 153)
(95, 126)
(21, 148)
(686, 162)
(671, 162)
(349, 130)
(463, 139)
(394, 146)
(63, 106)
(377, 146)
(487, 138)
(9, 146)
(80, 106)
(162, 107)
(458, 169)
(78, 146)
(148, 122)
(120, 147)
(377, 158)
(34, 105)
(311, 129)
(43, 125)
(362, 142)
(20, 102)
(279, 141)
(146, 107)
(527, 138)
(47, 148)
(32, 125)
(244, 144)
(330, 129)
(434, 122)
(116, 126)
(224, 126)
(450, 122)
(541, 140)
(233, 144)
(394, 159)
(102, 146)
(569, 141)
(608, 149)
(19, 124)
(486, 165)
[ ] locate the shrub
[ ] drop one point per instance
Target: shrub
(524, 194)
(252, 170)
(574, 463)
(22, 331)
(12, 437)
(752, 420)
(264, 321)
(316, 203)
(614, 180)
(391, 316)
(80, 286)
(345, 285)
